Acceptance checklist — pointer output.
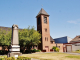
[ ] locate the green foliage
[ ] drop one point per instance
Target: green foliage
(10, 58)
(38, 50)
(13, 58)
(2, 59)
(77, 50)
(23, 58)
(5, 37)
(29, 37)
(55, 48)
(2, 52)
(34, 50)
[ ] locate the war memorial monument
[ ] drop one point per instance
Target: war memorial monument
(14, 48)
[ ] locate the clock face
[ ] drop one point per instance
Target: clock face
(45, 20)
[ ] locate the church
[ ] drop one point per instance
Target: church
(47, 42)
(65, 44)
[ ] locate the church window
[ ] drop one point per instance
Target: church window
(45, 29)
(45, 38)
(39, 20)
(45, 20)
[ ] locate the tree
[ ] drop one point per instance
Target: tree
(5, 37)
(29, 37)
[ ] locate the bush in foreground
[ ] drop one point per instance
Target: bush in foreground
(55, 48)
(13, 58)
(10, 58)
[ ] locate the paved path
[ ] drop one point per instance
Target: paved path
(61, 52)
(72, 53)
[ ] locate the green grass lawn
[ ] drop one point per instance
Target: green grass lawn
(53, 56)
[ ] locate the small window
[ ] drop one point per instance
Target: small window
(45, 29)
(39, 20)
(45, 20)
(45, 38)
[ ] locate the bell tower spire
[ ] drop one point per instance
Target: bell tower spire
(43, 28)
(42, 11)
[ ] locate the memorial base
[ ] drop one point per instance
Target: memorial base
(14, 54)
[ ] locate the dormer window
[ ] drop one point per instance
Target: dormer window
(45, 20)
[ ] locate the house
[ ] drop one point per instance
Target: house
(64, 39)
(73, 45)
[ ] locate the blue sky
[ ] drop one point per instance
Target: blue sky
(64, 19)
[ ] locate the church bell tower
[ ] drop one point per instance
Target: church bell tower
(43, 28)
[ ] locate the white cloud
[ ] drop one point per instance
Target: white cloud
(74, 22)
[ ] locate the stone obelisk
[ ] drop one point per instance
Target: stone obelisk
(15, 48)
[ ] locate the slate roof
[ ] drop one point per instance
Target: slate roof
(76, 39)
(42, 11)
(6, 28)
(9, 28)
(51, 39)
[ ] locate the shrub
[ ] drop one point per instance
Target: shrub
(27, 51)
(2, 59)
(2, 52)
(55, 48)
(38, 50)
(10, 58)
(34, 50)
(23, 58)
(77, 50)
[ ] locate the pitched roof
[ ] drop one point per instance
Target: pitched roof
(5, 28)
(51, 39)
(42, 11)
(9, 28)
(76, 39)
